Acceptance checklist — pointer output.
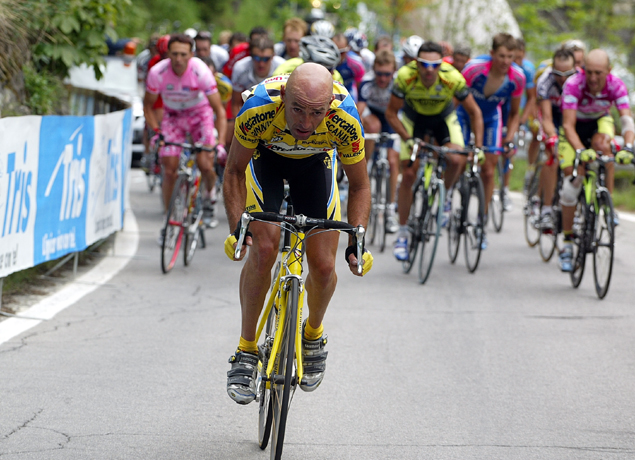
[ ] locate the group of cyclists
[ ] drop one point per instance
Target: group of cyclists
(285, 112)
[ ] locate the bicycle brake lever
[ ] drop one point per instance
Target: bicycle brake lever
(245, 218)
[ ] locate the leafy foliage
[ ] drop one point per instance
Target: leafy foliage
(72, 32)
(44, 91)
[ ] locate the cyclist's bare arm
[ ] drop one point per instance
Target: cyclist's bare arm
(476, 118)
(569, 118)
(358, 200)
(148, 112)
(513, 122)
(629, 136)
(234, 188)
(530, 106)
(221, 116)
(547, 118)
(394, 106)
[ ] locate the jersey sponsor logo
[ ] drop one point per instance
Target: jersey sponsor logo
(355, 145)
(622, 100)
(254, 125)
(569, 99)
(350, 155)
(338, 126)
(327, 162)
(250, 208)
(170, 86)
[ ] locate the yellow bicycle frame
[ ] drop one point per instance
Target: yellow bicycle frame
(291, 265)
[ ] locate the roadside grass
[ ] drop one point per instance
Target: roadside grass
(623, 194)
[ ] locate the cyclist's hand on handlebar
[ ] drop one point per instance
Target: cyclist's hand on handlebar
(410, 143)
(509, 149)
(221, 155)
(588, 155)
(625, 156)
(367, 260)
(550, 142)
(232, 240)
(480, 155)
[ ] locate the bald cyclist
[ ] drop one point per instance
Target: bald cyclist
(287, 130)
(588, 127)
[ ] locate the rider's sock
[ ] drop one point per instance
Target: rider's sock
(403, 231)
(545, 210)
(313, 334)
(568, 236)
(247, 346)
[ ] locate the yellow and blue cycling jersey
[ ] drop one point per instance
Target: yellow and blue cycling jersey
(261, 121)
(289, 66)
(436, 100)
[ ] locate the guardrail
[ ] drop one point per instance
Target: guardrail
(63, 180)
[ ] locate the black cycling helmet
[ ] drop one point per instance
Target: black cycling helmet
(321, 50)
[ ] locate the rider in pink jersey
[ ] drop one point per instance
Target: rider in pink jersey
(188, 89)
(587, 128)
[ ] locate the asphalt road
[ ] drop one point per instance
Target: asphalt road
(508, 363)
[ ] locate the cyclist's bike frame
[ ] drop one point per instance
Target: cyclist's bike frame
(280, 369)
(593, 225)
(379, 175)
(426, 211)
(467, 215)
(184, 222)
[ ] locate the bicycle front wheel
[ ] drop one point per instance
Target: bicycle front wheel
(415, 221)
(455, 221)
(604, 243)
(580, 241)
(285, 381)
(431, 229)
(193, 231)
(173, 229)
(474, 210)
(497, 203)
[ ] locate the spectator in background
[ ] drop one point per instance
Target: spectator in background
(204, 48)
(294, 30)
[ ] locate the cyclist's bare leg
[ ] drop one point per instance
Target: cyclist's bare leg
(170, 173)
(321, 280)
(408, 175)
(371, 125)
(487, 175)
(393, 160)
(602, 142)
(456, 165)
(205, 162)
(255, 278)
(548, 179)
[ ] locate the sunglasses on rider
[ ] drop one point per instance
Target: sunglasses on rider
(383, 74)
(344, 50)
(566, 74)
(429, 64)
(262, 58)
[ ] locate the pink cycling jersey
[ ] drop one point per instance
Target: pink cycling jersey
(187, 91)
(576, 96)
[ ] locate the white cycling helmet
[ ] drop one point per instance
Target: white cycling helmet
(411, 46)
(191, 32)
(323, 28)
(321, 50)
(356, 40)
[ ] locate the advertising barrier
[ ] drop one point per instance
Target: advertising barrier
(62, 184)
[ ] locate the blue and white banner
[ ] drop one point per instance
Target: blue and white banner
(62, 183)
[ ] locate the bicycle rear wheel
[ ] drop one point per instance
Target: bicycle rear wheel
(497, 203)
(547, 244)
(284, 382)
(474, 221)
(431, 229)
(455, 220)
(604, 244)
(173, 229)
(580, 241)
(415, 221)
